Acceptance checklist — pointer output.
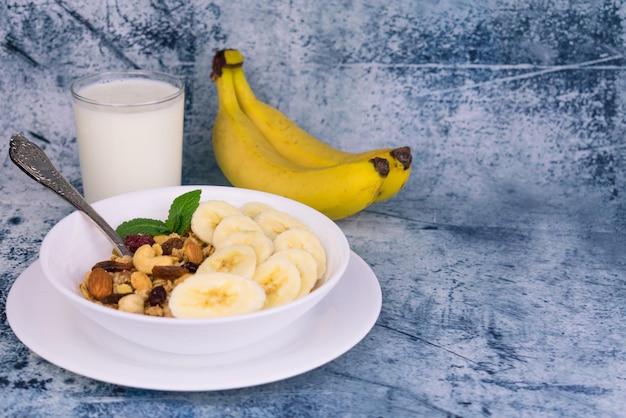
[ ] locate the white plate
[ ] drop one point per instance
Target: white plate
(52, 330)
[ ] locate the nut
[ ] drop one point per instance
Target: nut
(100, 283)
(147, 256)
(193, 251)
(140, 281)
(123, 288)
(160, 239)
(131, 303)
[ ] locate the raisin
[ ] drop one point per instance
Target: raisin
(169, 245)
(112, 298)
(169, 272)
(192, 267)
(134, 241)
(113, 266)
(157, 296)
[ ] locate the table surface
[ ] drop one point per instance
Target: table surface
(513, 303)
(502, 262)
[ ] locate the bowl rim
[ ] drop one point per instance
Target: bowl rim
(326, 286)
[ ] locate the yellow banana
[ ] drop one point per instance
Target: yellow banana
(248, 160)
(297, 145)
(399, 170)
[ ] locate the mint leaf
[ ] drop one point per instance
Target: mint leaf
(181, 211)
(178, 221)
(142, 226)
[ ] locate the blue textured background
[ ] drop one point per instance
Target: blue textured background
(515, 114)
(480, 93)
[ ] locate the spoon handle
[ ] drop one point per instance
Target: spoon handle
(34, 162)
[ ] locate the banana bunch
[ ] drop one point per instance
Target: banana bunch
(258, 147)
(263, 258)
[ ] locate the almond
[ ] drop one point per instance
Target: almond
(193, 251)
(100, 283)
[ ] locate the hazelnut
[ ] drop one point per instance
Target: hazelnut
(131, 303)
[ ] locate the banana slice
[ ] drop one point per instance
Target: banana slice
(262, 245)
(236, 259)
(304, 240)
(231, 224)
(208, 214)
(209, 295)
(281, 280)
(306, 265)
(253, 209)
(273, 222)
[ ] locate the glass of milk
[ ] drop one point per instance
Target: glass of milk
(129, 128)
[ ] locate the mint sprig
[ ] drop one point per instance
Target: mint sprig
(142, 226)
(181, 211)
(178, 220)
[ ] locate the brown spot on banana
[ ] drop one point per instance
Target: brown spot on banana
(403, 156)
(381, 165)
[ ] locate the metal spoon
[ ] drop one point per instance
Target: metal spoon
(34, 162)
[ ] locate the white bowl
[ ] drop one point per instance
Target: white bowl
(75, 244)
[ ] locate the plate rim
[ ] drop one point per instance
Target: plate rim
(46, 350)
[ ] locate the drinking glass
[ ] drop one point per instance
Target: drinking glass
(129, 128)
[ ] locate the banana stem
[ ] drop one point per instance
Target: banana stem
(225, 58)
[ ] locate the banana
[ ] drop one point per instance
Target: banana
(208, 214)
(237, 259)
(274, 222)
(253, 209)
(300, 147)
(400, 160)
(280, 278)
(303, 240)
(232, 224)
(263, 246)
(215, 294)
(306, 265)
(248, 160)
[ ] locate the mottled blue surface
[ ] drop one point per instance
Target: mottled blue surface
(502, 263)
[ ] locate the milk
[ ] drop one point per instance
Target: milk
(129, 137)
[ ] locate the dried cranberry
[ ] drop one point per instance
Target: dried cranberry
(157, 296)
(134, 241)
